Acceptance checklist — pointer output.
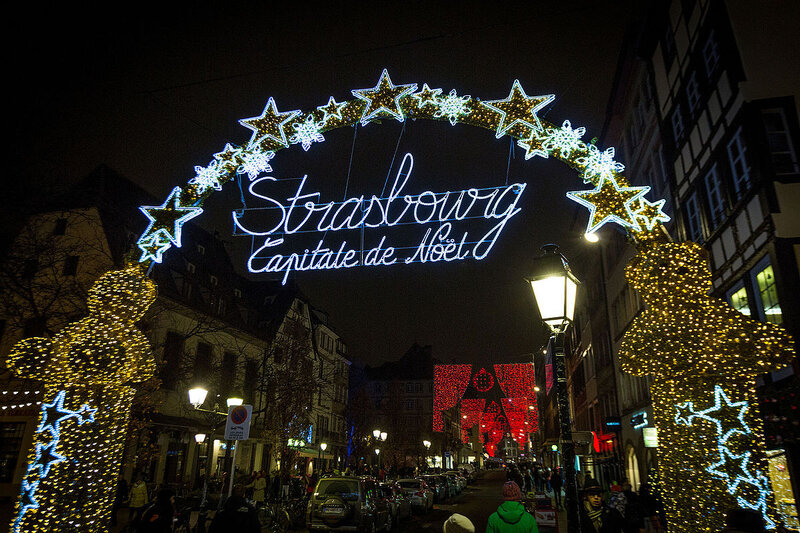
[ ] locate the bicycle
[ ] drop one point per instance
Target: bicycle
(274, 516)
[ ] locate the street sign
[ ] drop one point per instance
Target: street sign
(650, 437)
(238, 425)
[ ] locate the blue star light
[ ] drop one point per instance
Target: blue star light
(46, 456)
(153, 247)
(682, 418)
(27, 501)
(723, 469)
(721, 404)
(53, 414)
(168, 218)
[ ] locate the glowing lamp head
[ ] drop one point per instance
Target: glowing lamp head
(554, 288)
(323, 446)
(234, 400)
(536, 389)
(376, 433)
(427, 444)
(384, 435)
(199, 437)
(591, 237)
(197, 396)
(377, 451)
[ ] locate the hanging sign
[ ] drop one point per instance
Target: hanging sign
(358, 231)
(650, 437)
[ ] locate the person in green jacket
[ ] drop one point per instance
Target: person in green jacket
(511, 516)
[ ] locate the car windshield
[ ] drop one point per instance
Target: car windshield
(346, 489)
(409, 484)
(431, 481)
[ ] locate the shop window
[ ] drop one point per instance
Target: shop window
(739, 300)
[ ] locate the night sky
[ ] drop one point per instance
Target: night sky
(152, 92)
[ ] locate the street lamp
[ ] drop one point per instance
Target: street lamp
(199, 438)
(234, 400)
(197, 396)
(555, 289)
(427, 445)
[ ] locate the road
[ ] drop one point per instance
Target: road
(478, 501)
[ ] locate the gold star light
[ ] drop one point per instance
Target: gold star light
(229, 157)
(383, 99)
(609, 202)
(650, 213)
(426, 96)
(332, 109)
(168, 219)
(518, 108)
(269, 125)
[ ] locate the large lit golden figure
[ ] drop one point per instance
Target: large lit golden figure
(705, 357)
(88, 370)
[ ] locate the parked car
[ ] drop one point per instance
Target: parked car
(421, 494)
(451, 489)
(441, 491)
(345, 503)
(458, 479)
(399, 502)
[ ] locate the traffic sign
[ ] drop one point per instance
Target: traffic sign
(238, 425)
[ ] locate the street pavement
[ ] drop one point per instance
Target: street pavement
(478, 501)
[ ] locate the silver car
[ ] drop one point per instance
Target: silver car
(421, 494)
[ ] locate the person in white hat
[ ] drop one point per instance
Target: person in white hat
(458, 523)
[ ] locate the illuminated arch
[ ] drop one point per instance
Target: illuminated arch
(611, 199)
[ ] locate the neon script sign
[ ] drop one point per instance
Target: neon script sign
(442, 212)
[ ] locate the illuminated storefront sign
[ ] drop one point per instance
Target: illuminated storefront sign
(304, 212)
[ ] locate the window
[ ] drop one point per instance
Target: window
(237, 293)
(738, 299)
(693, 92)
(694, 229)
(11, 434)
(711, 54)
(768, 294)
(740, 171)
(173, 352)
(70, 265)
(227, 374)
(250, 378)
(201, 249)
(677, 124)
(668, 45)
(409, 387)
(190, 268)
(781, 149)
(202, 361)
(714, 194)
(213, 280)
(60, 227)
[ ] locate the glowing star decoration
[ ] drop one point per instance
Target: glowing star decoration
(427, 96)
(518, 108)
(153, 247)
(255, 163)
(168, 218)
(691, 343)
(597, 165)
(228, 159)
(533, 147)
(307, 132)
(269, 125)
(453, 107)
(383, 100)
(331, 110)
(650, 213)
(208, 177)
(563, 140)
(88, 370)
(608, 202)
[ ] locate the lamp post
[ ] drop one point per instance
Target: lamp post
(379, 436)
(555, 289)
(322, 447)
(427, 445)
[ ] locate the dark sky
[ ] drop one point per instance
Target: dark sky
(154, 91)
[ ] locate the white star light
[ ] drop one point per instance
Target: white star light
(255, 162)
(533, 147)
(154, 246)
(208, 177)
(564, 139)
(307, 132)
(721, 469)
(453, 106)
(332, 109)
(599, 164)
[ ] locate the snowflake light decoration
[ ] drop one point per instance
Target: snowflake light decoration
(453, 106)
(256, 162)
(307, 132)
(564, 139)
(208, 177)
(597, 164)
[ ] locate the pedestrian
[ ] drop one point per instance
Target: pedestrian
(634, 510)
(120, 497)
(741, 520)
(158, 517)
(236, 515)
(511, 516)
(138, 499)
(516, 477)
(458, 523)
(260, 489)
(556, 483)
(529, 480)
(595, 516)
(537, 478)
(650, 508)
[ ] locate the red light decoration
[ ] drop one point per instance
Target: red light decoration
(449, 384)
(483, 380)
(471, 411)
(516, 380)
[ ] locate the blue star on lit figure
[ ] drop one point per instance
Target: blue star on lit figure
(27, 501)
(46, 456)
(721, 404)
(53, 414)
(518, 108)
(723, 469)
(383, 99)
(168, 218)
(682, 417)
(153, 247)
